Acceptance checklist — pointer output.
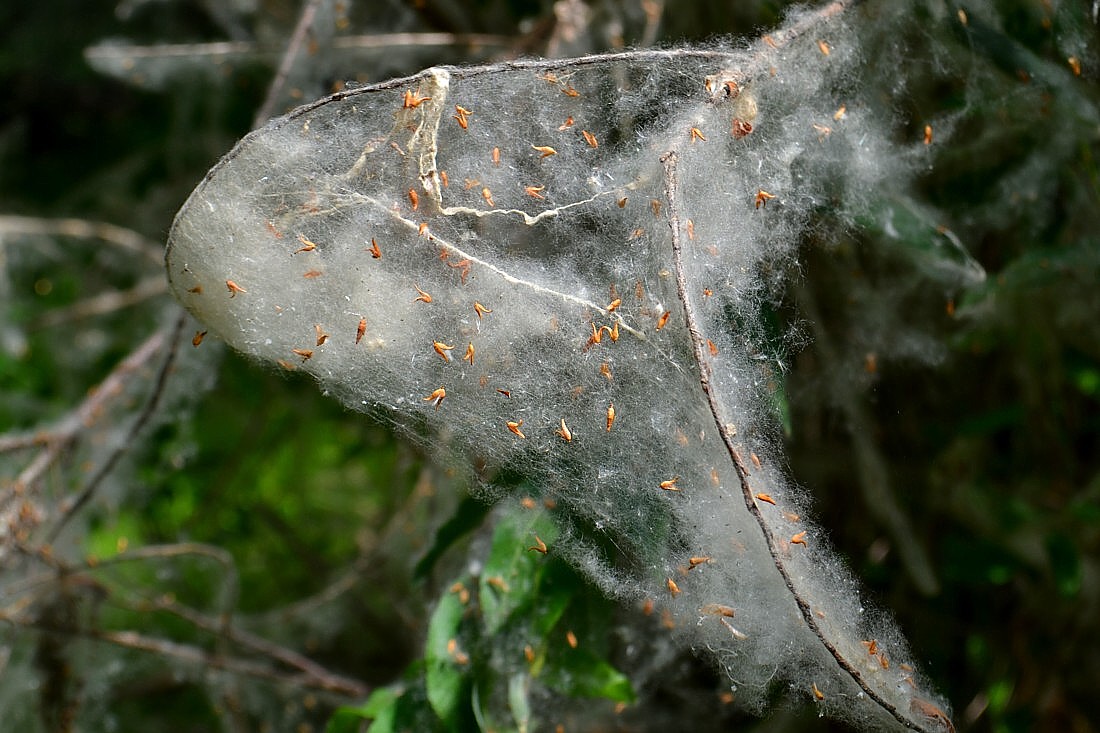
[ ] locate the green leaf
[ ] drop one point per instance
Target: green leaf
(381, 707)
(513, 571)
(444, 676)
(580, 673)
(518, 685)
(481, 716)
(553, 601)
(467, 517)
(518, 705)
(919, 237)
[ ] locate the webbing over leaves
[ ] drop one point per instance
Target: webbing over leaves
(484, 258)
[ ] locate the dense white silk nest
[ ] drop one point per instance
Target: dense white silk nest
(485, 258)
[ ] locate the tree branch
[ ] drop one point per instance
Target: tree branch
(189, 653)
(107, 302)
(84, 229)
(143, 417)
(305, 24)
(698, 345)
(56, 440)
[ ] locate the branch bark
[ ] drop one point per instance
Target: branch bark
(698, 345)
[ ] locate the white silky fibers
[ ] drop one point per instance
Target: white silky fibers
(484, 258)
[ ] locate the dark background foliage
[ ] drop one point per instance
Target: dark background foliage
(990, 450)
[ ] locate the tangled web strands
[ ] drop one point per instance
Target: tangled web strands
(554, 268)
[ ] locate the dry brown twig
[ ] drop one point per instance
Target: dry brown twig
(102, 304)
(190, 653)
(54, 441)
(24, 595)
(81, 497)
(304, 27)
(218, 52)
(128, 239)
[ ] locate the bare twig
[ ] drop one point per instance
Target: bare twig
(149, 552)
(653, 10)
(329, 682)
(304, 27)
(218, 51)
(147, 411)
(83, 229)
(225, 632)
(20, 441)
(698, 344)
(116, 53)
(56, 440)
(381, 41)
(310, 676)
(256, 643)
(108, 302)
